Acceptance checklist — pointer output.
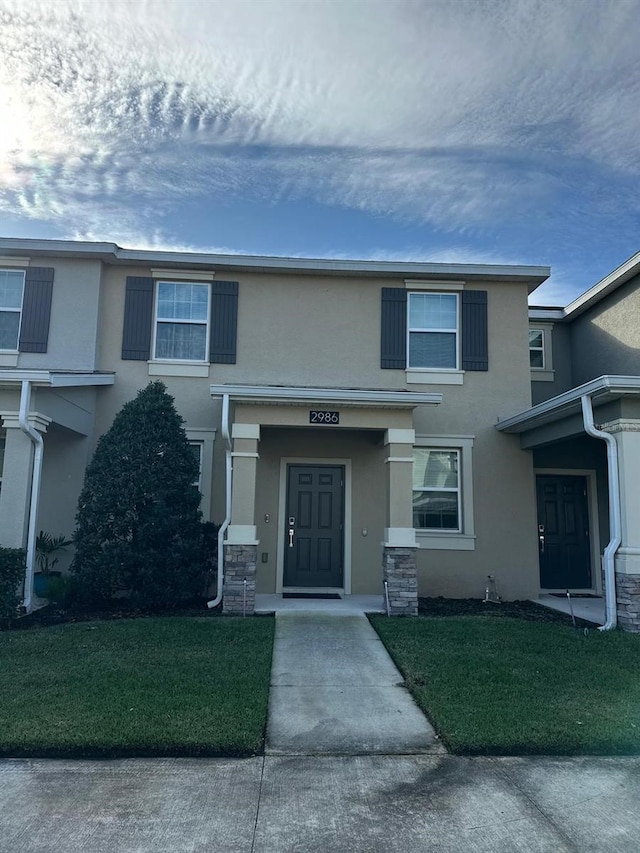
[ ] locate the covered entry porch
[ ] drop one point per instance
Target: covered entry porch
(320, 496)
(585, 446)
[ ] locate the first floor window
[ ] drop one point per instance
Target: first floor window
(182, 318)
(433, 330)
(196, 449)
(436, 489)
(536, 348)
(11, 291)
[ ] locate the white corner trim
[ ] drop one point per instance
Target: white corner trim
(424, 284)
(246, 431)
(176, 368)
(400, 436)
(400, 537)
(435, 377)
(242, 534)
(182, 275)
(14, 262)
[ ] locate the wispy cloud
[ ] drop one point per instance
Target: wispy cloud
(464, 117)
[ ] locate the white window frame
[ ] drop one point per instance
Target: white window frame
(5, 310)
(205, 438)
(206, 323)
(427, 330)
(545, 373)
(540, 349)
(452, 540)
(445, 490)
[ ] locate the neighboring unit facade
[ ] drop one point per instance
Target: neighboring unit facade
(583, 432)
(344, 413)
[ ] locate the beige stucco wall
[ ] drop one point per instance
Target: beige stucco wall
(605, 338)
(73, 327)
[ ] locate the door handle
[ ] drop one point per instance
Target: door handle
(541, 537)
(291, 537)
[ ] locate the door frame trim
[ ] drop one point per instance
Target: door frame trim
(282, 501)
(594, 528)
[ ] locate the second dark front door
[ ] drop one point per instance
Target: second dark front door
(313, 548)
(563, 532)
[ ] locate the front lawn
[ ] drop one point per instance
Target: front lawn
(507, 686)
(147, 687)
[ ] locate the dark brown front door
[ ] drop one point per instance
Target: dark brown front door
(563, 532)
(313, 549)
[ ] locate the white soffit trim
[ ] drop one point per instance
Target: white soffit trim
(569, 403)
(345, 396)
(549, 314)
(610, 282)
(55, 379)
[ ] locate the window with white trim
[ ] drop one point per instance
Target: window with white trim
(436, 489)
(197, 449)
(432, 331)
(536, 349)
(11, 294)
(181, 321)
(443, 492)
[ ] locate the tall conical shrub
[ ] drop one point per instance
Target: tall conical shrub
(138, 521)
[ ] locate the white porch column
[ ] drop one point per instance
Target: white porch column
(16, 478)
(241, 539)
(399, 565)
(627, 561)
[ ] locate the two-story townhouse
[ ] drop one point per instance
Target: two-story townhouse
(343, 412)
(584, 435)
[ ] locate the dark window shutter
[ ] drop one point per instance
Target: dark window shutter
(224, 322)
(475, 343)
(393, 333)
(36, 309)
(138, 318)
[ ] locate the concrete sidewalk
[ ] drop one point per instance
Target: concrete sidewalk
(335, 690)
(355, 804)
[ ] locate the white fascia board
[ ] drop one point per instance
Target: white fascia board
(568, 402)
(271, 394)
(110, 252)
(549, 314)
(55, 380)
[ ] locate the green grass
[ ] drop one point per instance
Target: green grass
(511, 687)
(145, 687)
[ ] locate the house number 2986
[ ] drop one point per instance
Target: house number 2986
(316, 417)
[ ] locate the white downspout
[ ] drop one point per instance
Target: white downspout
(227, 500)
(614, 513)
(36, 477)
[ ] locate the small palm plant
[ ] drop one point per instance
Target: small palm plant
(46, 546)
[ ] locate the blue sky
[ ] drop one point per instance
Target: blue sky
(502, 131)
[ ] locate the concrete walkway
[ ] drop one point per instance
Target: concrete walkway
(335, 690)
(343, 804)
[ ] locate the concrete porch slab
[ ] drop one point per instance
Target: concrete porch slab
(348, 604)
(590, 609)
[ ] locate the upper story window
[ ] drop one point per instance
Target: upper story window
(433, 331)
(182, 321)
(536, 349)
(11, 294)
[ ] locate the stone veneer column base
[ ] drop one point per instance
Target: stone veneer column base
(239, 564)
(400, 571)
(628, 601)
